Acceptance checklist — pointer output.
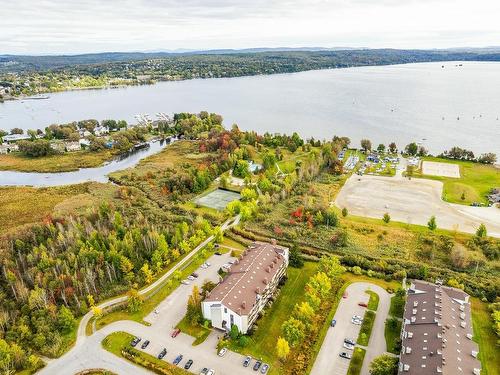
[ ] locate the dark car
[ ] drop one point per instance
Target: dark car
(256, 367)
(204, 371)
(362, 304)
(247, 361)
(349, 341)
(218, 253)
(145, 344)
(345, 355)
(188, 364)
(333, 323)
(195, 275)
(178, 359)
(135, 341)
(175, 332)
(264, 369)
(162, 354)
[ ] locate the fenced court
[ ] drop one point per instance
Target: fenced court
(432, 168)
(218, 199)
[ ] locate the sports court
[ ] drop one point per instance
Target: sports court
(432, 168)
(217, 199)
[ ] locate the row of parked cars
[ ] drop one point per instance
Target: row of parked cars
(258, 365)
(163, 353)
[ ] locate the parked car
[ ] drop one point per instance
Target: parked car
(175, 333)
(188, 364)
(162, 354)
(247, 361)
(135, 341)
(185, 282)
(222, 352)
(178, 359)
(211, 372)
(264, 369)
(357, 317)
(345, 295)
(362, 304)
(195, 275)
(333, 323)
(348, 346)
(191, 278)
(349, 341)
(204, 266)
(345, 355)
(208, 264)
(356, 321)
(218, 253)
(256, 366)
(145, 344)
(204, 371)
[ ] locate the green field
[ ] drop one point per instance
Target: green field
(475, 182)
(356, 363)
(392, 332)
(485, 337)
(373, 302)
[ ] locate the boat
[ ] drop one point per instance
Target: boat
(138, 146)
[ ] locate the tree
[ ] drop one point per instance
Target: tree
(411, 149)
(16, 131)
(35, 149)
(331, 266)
(431, 224)
(65, 319)
(282, 348)
(147, 273)
(462, 197)
(194, 314)
(134, 301)
(481, 231)
(381, 148)
(392, 147)
(320, 283)
(293, 331)
(305, 312)
(384, 365)
(235, 332)
(366, 144)
(459, 257)
(488, 158)
(386, 218)
(295, 258)
(344, 212)
(241, 169)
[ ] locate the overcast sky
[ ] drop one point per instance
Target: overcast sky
(73, 26)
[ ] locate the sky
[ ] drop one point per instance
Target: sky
(70, 27)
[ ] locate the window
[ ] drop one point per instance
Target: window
(232, 319)
(225, 310)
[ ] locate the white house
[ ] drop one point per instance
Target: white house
(247, 288)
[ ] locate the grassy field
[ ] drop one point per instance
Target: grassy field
(373, 302)
(116, 342)
(475, 182)
(263, 342)
(485, 337)
(366, 328)
(199, 332)
(356, 364)
(397, 306)
(69, 161)
(392, 333)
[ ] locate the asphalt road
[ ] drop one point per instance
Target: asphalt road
(328, 361)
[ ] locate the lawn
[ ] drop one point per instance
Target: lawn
(366, 328)
(199, 332)
(356, 364)
(392, 333)
(68, 161)
(373, 302)
(397, 306)
(475, 182)
(118, 343)
(485, 337)
(262, 343)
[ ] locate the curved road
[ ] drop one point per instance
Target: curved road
(84, 344)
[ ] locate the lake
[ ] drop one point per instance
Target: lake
(440, 107)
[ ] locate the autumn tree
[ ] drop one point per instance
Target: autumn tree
(384, 365)
(193, 314)
(282, 348)
(293, 330)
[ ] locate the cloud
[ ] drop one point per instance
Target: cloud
(57, 26)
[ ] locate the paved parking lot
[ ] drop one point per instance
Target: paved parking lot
(328, 361)
(90, 354)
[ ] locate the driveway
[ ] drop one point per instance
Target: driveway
(413, 201)
(328, 361)
(88, 352)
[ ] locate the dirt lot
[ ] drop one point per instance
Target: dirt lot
(414, 202)
(432, 168)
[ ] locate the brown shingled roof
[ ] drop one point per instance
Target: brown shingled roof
(248, 277)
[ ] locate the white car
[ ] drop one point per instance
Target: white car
(357, 317)
(208, 265)
(185, 282)
(222, 352)
(211, 372)
(204, 266)
(348, 346)
(356, 321)
(191, 278)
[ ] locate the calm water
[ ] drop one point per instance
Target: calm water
(99, 174)
(441, 107)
